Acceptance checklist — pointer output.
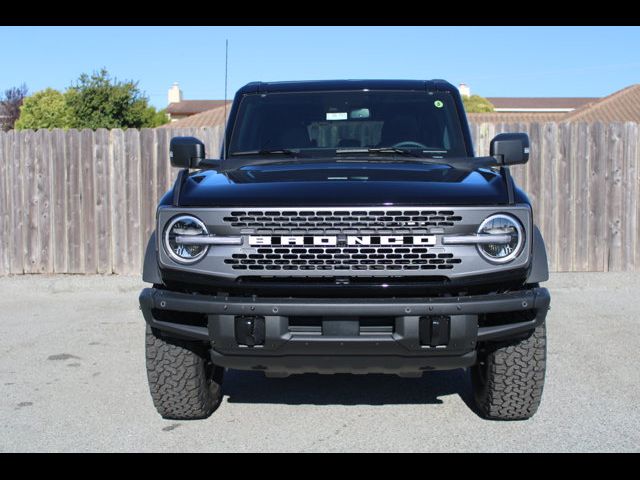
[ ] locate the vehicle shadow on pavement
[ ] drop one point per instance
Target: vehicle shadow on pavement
(345, 389)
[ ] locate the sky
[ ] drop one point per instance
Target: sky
(493, 61)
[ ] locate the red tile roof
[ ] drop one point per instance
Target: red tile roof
(208, 118)
(515, 117)
(540, 102)
(190, 107)
(620, 106)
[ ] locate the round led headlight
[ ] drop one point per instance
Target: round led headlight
(176, 239)
(509, 235)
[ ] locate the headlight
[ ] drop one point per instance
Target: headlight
(184, 226)
(504, 251)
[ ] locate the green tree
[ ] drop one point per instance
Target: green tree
(157, 117)
(477, 104)
(44, 109)
(99, 101)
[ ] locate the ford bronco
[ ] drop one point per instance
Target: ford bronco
(347, 227)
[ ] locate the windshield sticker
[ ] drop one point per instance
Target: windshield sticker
(337, 116)
(438, 104)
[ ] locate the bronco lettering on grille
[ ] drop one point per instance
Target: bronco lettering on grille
(427, 240)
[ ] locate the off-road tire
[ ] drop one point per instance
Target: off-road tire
(509, 377)
(184, 384)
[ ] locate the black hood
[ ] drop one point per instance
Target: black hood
(344, 184)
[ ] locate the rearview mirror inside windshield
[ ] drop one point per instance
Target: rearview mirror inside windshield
(360, 113)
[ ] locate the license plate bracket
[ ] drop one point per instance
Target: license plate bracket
(340, 326)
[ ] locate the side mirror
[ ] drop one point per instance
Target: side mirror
(510, 148)
(186, 152)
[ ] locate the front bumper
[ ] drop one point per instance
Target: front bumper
(398, 351)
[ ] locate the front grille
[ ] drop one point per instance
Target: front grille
(365, 222)
(343, 258)
(342, 242)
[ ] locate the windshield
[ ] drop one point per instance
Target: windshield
(326, 124)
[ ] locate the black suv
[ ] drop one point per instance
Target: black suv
(347, 227)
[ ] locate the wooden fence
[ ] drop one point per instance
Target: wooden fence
(83, 201)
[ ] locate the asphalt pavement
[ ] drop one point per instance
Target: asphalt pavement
(72, 378)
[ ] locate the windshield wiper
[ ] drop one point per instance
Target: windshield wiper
(400, 151)
(459, 163)
(279, 151)
(413, 154)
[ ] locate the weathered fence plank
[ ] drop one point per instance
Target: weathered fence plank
(163, 165)
(637, 186)
(5, 225)
(132, 195)
(87, 162)
(44, 189)
(630, 197)
(16, 180)
(547, 200)
(631, 240)
(563, 210)
(31, 157)
(59, 202)
(148, 179)
(581, 173)
(596, 232)
(535, 178)
(119, 221)
(613, 177)
(216, 142)
(84, 202)
(103, 212)
(75, 250)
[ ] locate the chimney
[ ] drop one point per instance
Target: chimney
(175, 94)
(464, 89)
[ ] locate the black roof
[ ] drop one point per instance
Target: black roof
(321, 85)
